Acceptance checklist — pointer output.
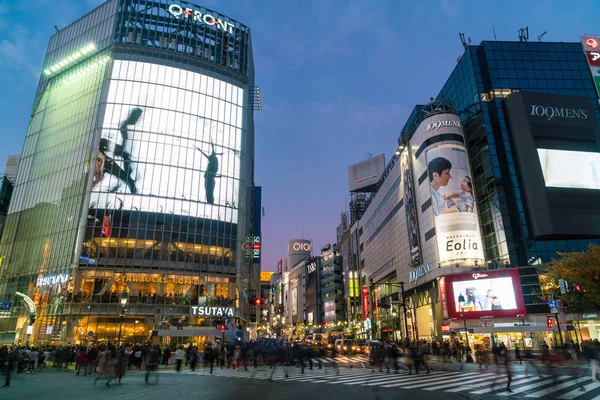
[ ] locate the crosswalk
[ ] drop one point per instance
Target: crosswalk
(563, 387)
(340, 359)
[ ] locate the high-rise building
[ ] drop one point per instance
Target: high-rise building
(7, 184)
(134, 197)
(490, 181)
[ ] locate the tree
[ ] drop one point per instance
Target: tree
(577, 268)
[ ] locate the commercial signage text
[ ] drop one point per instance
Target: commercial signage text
(365, 299)
(52, 279)
(180, 12)
(211, 311)
(550, 112)
(434, 126)
(419, 272)
(312, 267)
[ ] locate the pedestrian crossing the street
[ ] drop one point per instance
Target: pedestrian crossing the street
(564, 387)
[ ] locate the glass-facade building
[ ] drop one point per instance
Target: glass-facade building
(485, 75)
(137, 178)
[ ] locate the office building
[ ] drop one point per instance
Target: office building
(134, 197)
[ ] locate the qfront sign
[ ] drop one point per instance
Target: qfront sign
(187, 13)
(202, 311)
(419, 272)
(434, 126)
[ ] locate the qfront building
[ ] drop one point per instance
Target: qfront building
(133, 204)
(489, 182)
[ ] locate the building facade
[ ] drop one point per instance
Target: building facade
(467, 207)
(135, 193)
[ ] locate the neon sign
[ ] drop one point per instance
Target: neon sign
(179, 12)
(593, 43)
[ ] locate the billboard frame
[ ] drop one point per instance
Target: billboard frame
(513, 273)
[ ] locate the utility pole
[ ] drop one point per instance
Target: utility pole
(404, 308)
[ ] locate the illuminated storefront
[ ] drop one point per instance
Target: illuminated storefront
(132, 201)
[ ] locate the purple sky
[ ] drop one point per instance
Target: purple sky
(338, 79)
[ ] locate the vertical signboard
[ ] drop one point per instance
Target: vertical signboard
(591, 47)
(453, 203)
(365, 300)
(412, 224)
(443, 299)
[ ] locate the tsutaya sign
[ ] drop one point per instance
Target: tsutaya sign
(419, 272)
(180, 12)
(211, 311)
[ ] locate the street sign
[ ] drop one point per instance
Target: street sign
(564, 286)
(5, 305)
(552, 304)
(554, 310)
(90, 333)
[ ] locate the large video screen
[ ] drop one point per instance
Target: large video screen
(493, 294)
(453, 203)
(171, 143)
(570, 169)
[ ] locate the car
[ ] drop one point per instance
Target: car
(344, 346)
(360, 346)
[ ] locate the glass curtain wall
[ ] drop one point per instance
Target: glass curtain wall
(43, 221)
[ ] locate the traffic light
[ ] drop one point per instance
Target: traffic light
(222, 328)
(577, 288)
(258, 301)
(549, 322)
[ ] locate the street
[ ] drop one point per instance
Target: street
(313, 384)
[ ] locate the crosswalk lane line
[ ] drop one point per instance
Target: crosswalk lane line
(576, 392)
(480, 378)
(436, 380)
(421, 378)
(543, 382)
(396, 380)
(351, 377)
(382, 380)
(475, 386)
(514, 383)
(558, 387)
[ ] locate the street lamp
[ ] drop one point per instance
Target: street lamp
(124, 298)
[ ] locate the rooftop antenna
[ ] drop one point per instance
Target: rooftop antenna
(494, 29)
(56, 28)
(368, 156)
(541, 36)
(523, 34)
(462, 39)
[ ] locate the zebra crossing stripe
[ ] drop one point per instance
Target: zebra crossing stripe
(477, 385)
(525, 388)
(426, 382)
(559, 387)
(350, 377)
(514, 383)
(575, 393)
(400, 378)
(419, 378)
(481, 377)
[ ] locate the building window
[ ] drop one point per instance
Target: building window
(426, 205)
(429, 234)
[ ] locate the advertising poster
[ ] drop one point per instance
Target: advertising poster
(453, 203)
(170, 143)
(412, 224)
(490, 293)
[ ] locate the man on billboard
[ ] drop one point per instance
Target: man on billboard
(453, 204)
(439, 176)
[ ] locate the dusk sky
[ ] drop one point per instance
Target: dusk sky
(338, 80)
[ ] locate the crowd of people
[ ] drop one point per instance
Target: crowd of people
(109, 363)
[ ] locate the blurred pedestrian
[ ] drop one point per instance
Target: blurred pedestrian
(179, 355)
